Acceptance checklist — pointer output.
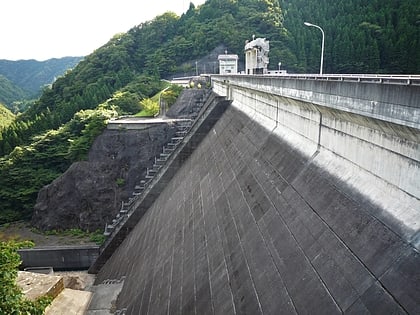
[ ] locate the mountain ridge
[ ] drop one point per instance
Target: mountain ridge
(24, 79)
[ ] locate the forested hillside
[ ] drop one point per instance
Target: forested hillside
(32, 75)
(10, 92)
(375, 36)
(361, 36)
(22, 81)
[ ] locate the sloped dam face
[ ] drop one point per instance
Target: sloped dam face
(249, 225)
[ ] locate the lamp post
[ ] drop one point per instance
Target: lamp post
(322, 46)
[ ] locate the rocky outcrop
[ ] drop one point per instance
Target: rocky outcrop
(90, 192)
(184, 106)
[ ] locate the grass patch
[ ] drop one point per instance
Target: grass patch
(144, 113)
(96, 236)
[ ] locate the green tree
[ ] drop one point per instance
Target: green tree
(12, 300)
(150, 106)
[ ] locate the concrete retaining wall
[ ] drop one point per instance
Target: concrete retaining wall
(60, 257)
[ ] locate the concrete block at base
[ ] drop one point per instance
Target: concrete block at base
(70, 302)
(35, 285)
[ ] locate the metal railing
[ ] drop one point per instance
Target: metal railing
(366, 78)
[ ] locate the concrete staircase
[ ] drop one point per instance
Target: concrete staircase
(183, 128)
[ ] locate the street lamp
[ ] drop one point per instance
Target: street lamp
(322, 46)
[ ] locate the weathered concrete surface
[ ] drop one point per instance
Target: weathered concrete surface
(393, 99)
(66, 301)
(251, 224)
(35, 285)
(104, 297)
(70, 302)
(379, 159)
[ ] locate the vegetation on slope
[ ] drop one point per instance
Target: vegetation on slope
(32, 75)
(6, 117)
(378, 36)
(28, 168)
(10, 92)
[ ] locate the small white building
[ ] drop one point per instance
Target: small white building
(228, 63)
(256, 56)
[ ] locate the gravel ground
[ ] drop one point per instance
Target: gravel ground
(21, 231)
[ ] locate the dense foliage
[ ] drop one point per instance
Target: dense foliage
(28, 168)
(6, 117)
(361, 36)
(12, 300)
(376, 36)
(170, 94)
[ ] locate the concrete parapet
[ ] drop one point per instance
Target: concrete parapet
(395, 100)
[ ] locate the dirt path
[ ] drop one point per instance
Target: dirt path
(21, 231)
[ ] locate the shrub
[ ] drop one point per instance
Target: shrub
(151, 107)
(12, 299)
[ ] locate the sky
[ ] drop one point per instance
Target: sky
(44, 29)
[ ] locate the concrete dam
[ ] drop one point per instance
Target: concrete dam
(291, 195)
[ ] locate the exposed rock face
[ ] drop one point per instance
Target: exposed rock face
(183, 107)
(89, 193)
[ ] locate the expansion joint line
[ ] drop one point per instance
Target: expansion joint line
(319, 132)
(319, 129)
